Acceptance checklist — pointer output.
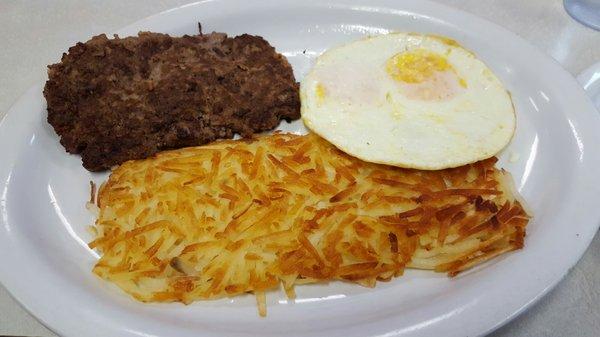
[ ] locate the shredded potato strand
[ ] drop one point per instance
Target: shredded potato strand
(245, 216)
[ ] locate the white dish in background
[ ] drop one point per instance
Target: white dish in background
(590, 80)
(46, 265)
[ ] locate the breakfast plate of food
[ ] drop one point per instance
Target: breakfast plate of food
(349, 168)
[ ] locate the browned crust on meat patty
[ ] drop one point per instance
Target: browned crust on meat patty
(112, 100)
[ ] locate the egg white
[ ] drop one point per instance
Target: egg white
(350, 99)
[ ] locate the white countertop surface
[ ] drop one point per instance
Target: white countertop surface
(35, 33)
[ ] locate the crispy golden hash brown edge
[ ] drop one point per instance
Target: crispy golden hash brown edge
(246, 216)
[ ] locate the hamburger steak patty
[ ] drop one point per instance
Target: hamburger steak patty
(112, 100)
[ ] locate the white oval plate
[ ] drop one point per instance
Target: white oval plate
(46, 265)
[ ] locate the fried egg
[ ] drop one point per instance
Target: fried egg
(409, 100)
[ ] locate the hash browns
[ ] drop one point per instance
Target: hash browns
(245, 216)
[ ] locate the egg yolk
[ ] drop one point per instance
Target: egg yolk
(416, 66)
(424, 75)
(320, 92)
